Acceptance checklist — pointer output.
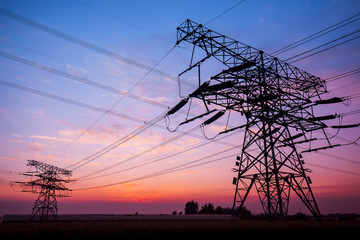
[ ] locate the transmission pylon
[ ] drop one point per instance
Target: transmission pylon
(49, 185)
(277, 101)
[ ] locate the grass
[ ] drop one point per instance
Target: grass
(176, 229)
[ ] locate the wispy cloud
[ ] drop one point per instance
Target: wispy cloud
(39, 113)
(36, 147)
(75, 70)
(50, 138)
(17, 135)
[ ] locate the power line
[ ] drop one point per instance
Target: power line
(159, 159)
(345, 86)
(152, 149)
(84, 80)
(229, 9)
(85, 44)
(108, 148)
(313, 36)
(116, 103)
(143, 152)
(93, 108)
(310, 55)
(111, 146)
(87, 68)
(115, 144)
(357, 111)
(342, 75)
(78, 78)
(166, 171)
(123, 21)
(334, 169)
(84, 105)
(344, 36)
(185, 166)
(339, 158)
(137, 155)
(335, 156)
(356, 95)
(67, 100)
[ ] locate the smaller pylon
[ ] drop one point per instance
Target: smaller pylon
(49, 185)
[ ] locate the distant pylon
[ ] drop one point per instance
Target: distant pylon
(49, 185)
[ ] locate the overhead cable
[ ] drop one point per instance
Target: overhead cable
(145, 163)
(67, 100)
(334, 169)
(115, 144)
(342, 75)
(313, 36)
(141, 153)
(166, 171)
(80, 104)
(85, 44)
(78, 78)
(336, 45)
(123, 21)
(227, 10)
(115, 104)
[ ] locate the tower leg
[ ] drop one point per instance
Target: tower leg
(236, 210)
(45, 207)
(303, 191)
(274, 169)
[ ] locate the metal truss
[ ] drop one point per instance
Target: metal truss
(277, 101)
(49, 185)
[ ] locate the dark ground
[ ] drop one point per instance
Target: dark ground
(179, 229)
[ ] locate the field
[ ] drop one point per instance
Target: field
(177, 229)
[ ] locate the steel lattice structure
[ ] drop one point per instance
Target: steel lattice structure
(49, 185)
(277, 101)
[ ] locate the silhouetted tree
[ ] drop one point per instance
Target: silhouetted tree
(218, 210)
(221, 210)
(191, 207)
(208, 208)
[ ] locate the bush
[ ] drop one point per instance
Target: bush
(243, 213)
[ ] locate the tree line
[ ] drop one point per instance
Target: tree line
(192, 207)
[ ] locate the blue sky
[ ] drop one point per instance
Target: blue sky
(35, 127)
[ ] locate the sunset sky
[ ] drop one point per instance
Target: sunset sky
(55, 90)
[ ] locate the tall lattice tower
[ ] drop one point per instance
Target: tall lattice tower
(277, 101)
(49, 185)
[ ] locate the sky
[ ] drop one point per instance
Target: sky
(54, 95)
